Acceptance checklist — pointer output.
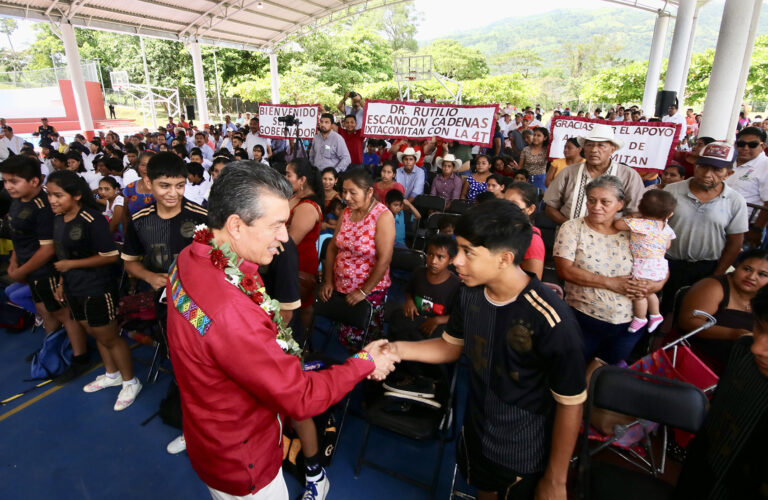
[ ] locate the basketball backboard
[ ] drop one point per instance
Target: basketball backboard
(413, 68)
(119, 79)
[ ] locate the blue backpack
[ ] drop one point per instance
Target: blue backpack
(53, 357)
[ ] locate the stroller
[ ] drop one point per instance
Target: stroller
(631, 438)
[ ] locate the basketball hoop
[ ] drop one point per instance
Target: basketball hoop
(410, 78)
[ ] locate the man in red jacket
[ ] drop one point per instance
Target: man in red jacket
(229, 346)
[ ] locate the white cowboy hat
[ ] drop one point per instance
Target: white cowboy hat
(601, 133)
(449, 158)
(408, 152)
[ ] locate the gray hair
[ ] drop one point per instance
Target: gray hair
(608, 182)
(238, 190)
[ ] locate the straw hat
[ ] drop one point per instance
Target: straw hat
(601, 133)
(408, 152)
(449, 158)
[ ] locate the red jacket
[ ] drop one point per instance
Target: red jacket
(236, 383)
(354, 142)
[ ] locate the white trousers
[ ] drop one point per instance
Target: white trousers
(276, 490)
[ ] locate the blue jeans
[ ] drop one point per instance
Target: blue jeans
(609, 342)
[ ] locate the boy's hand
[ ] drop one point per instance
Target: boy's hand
(409, 309)
(158, 280)
(428, 327)
(548, 489)
(64, 265)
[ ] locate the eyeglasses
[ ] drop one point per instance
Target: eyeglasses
(751, 144)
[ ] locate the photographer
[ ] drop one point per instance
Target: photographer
(356, 109)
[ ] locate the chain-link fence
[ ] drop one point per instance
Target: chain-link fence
(48, 77)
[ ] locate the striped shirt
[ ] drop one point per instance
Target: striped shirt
(159, 241)
(525, 355)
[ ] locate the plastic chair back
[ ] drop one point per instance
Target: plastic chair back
(650, 397)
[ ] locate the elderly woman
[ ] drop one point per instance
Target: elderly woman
(726, 297)
(595, 261)
(357, 259)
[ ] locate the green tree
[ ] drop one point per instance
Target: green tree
(451, 59)
(298, 85)
(523, 61)
(8, 26)
(624, 84)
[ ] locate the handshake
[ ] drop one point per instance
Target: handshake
(385, 355)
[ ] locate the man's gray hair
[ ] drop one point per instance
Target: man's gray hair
(608, 182)
(238, 190)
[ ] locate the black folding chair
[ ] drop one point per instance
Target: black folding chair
(337, 311)
(426, 202)
(657, 399)
(418, 423)
(459, 206)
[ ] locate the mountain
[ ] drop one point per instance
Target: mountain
(629, 31)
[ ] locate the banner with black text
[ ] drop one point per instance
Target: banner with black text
(269, 125)
(422, 121)
(648, 146)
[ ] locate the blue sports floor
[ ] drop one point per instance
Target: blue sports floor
(61, 443)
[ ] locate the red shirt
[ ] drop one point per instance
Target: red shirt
(236, 383)
(354, 141)
(536, 248)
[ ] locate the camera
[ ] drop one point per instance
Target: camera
(289, 120)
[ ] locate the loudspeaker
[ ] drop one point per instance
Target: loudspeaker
(190, 111)
(665, 99)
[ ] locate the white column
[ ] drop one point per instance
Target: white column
(149, 87)
(275, 78)
(197, 69)
(739, 97)
(654, 63)
(726, 69)
(687, 67)
(679, 49)
(76, 76)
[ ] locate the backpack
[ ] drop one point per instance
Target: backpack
(53, 358)
(15, 319)
(170, 406)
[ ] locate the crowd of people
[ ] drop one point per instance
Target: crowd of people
(184, 213)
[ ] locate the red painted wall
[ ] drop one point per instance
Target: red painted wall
(95, 102)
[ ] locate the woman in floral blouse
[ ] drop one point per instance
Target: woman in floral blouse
(595, 261)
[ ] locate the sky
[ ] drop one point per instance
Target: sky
(441, 17)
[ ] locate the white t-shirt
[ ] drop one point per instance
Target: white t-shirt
(506, 127)
(750, 180)
(676, 118)
(251, 140)
(109, 211)
(130, 175)
(92, 178)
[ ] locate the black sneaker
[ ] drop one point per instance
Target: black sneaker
(420, 387)
(75, 370)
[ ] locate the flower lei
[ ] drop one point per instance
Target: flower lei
(223, 258)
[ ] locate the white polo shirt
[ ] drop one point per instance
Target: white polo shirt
(750, 180)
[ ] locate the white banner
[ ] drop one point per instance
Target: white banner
(307, 114)
(452, 122)
(32, 103)
(647, 145)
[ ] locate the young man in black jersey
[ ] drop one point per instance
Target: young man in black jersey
(157, 233)
(31, 224)
(527, 381)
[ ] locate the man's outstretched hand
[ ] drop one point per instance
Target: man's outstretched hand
(383, 357)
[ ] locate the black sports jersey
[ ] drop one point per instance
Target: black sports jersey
(158, 241)
(31, 225)
(525, 356)
(84, 236)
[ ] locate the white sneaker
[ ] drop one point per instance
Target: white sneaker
(317, 490)
(177, 445)
(127, 395)
(102, 382)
